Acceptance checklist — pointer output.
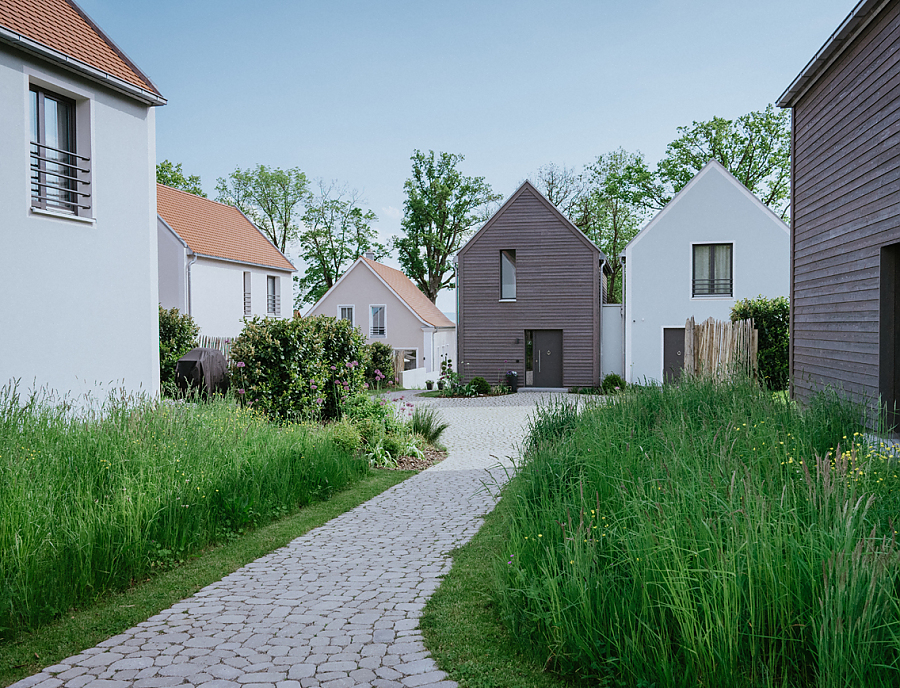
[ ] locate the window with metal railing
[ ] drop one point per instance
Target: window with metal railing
(273, 298)
(377, 321)
(713, 272)
(248, 301)
(60, 177)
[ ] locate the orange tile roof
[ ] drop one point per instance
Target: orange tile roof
(411, 294)
(215, 229)
(61, 25)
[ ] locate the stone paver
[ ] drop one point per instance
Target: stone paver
(338, 606)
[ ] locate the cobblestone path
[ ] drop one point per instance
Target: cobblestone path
(340, 605)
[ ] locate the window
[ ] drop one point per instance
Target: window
(60, 179)
(248, 303)
(273, 298)
(376, 321)
(346, 313)
(508, 275)
(712, 270)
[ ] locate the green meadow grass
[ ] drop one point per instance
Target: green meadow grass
(704, 534)
(96, 501)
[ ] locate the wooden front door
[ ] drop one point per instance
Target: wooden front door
(673, 353)
(547, 358)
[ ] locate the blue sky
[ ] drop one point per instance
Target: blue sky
(347, 90)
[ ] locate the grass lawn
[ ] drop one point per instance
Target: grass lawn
(29, 652)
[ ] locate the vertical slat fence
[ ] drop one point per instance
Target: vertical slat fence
(719, 349)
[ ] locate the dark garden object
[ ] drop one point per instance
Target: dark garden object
(202, 370)
(512, 380)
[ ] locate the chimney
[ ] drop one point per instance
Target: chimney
(370, 255)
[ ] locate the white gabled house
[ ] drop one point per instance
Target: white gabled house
(216, 265)
(77, 206)
(387, 307)
(713, 244)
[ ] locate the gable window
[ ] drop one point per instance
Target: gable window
(346, 313)
(273, 298)
(60, 178)
(713, 270)
(377, 320)
(248, 303)
(508, 275)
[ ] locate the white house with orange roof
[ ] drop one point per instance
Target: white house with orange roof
(77, 206)
(387, 307)
(216, 265)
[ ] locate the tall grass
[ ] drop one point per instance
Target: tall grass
(705, 534)
(93, 502)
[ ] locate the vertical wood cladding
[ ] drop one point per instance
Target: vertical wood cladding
(846, 206)
(557, 288)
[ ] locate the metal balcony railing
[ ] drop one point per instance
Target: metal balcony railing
(713, 287)
(248, 307)
(273, 304)
(376, 331)
(60, 179)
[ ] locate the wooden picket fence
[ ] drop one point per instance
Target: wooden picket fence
(223, 344)
(720, 349)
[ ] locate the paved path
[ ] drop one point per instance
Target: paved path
(340, 605)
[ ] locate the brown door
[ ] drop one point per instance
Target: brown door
(547, 359)
(673, 353)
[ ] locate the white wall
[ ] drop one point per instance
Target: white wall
(172, 257)
(79, 306)
(612, 340)
(714, 208)
(217, 295)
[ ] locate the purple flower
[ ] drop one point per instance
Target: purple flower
(348, 364)
(240, 391)
(320, 400)
(313, 387)
(365, 385)
(334, 367)
(240, 364)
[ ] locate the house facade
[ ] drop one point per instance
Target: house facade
(530, 286)
(216, 265)
(845, 216)
(713, 244)
(77, 206)
(387, 307)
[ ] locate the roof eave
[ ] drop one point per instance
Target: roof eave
(858, 19)
(21, 42)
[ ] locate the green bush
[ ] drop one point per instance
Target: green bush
(771, 318)
(427, 423)
(299, 368)
(613, 383)
(379, 360)
(480, 385)
(345, 436)
(177, 335)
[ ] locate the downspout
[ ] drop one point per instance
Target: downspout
(600, 328)
(624, 315)
(456, 295)
(189, 291)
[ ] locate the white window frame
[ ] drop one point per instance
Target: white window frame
(276, 312)
(371, 320)
(712, 297)
(352, 308)
(514, 263)
(84, 138)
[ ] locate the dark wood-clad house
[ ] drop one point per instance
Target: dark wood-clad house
(845, 238)
(530, 287)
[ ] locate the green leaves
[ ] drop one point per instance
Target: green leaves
(441, 209)
(171, 174)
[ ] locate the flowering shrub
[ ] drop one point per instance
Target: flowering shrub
(297, 369)
(177, 335)
(379, 359)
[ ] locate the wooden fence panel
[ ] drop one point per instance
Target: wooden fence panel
(719, 349)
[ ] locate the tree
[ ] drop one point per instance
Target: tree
(271, 197)
(755, 148)
(563, 186)
(335, 232)
(170, 174)
(441, 209)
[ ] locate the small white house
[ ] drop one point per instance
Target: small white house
(77, 206)
(387, 307)
(713, 244)
(216, 265)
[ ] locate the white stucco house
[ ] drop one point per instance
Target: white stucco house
(713, 244)
(387, 307)
(77, 206)
(216, 265)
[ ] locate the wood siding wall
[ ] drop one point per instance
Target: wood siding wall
(846, 206)
(557, 288)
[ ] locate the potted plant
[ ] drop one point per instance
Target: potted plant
(512, 380)
(429, 384)
(440, 384)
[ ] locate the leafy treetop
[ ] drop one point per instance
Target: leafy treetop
(171, 174)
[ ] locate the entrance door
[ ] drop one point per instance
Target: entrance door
(889, 337)
(673, 353)
(547, 358)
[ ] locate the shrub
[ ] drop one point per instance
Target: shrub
(771, 318)
(345, 436)
(428, 423)
(177, 335)
(613, 383)
(480, 385)
(379, 357)
(298, 368)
